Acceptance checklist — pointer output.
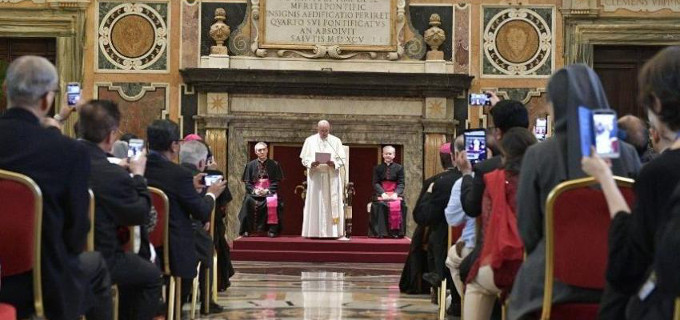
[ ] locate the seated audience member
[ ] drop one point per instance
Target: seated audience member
(388, 210)
(455, 216)
(224, 267)
(185, 202)
(634, 235)
(660, 137)
(502, 251)
(634, 131)
(73, 283)
(411, 281)
(262, 207)
(439, 229)
(544, 166)
(193, 156)
(121, 201)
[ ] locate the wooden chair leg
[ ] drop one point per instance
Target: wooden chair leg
(207, 288)
(442, 300)
(194, 292)
(178, 298)
(170, 298)
(213, 296)
(116, 298)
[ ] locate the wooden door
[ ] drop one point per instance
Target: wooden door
(618, 67)
(12, 48)
(288, 156)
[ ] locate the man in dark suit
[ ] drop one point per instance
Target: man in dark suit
(185, 202)
(439, 228)
(121, 201)
(506, 114)
(193, 156)
(60, 167)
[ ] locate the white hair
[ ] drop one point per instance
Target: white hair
(260, 144)
(323, 123)
(28, 79)
(459, 144)
(192, 152)
(385, 148)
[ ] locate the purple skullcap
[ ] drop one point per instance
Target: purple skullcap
(192, 137)
(445, 148)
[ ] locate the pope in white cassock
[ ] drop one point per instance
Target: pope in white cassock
(323, 215)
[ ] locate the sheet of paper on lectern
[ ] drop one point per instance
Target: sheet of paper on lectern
(322, 157)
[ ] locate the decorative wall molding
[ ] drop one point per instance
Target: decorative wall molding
(523, 95)
(582, 34)
(462, 20)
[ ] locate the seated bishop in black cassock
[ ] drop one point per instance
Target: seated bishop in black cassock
(388, 209)
(262, 207)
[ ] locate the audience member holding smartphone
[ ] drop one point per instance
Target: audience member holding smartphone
(544, 166)
(634, 235)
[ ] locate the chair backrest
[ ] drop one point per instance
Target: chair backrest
(90, 211)
(159, 237)
(576, 229)
(21, 207)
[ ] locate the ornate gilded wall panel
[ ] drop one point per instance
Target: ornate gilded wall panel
(139, 103)
(517, 42)
(132, 37)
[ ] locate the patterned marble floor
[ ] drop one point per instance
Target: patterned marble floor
(328, 291)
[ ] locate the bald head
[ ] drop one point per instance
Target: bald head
(29, 79)
(323, 127)
(636, 132)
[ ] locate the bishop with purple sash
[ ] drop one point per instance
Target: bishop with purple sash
(388, 209)
(262, 207)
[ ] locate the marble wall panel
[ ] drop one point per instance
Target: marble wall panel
(189, 101)
(139, 103)
(517, 42)
(190, 34)
(461, 38)
(132, 37)
(420, 19)
(236, 12)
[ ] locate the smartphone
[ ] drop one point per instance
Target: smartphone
(135, 147)
(479, 99)
(541, 129)
(72, 93)
(475, 145)
(210, 179)
(605, 133)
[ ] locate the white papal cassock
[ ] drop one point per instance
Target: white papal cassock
(323, 214)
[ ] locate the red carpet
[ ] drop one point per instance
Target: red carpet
(299, 249)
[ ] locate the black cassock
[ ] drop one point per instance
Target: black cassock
(381, 222)
(254, 212)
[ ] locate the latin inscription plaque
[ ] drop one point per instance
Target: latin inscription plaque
(351, 24)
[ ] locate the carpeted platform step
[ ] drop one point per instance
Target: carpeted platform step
(298, 249)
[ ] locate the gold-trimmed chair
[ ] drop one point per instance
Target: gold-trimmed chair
(676, 312)
(160, 237)
(21, 207)
(576, 229)
(115, 295)
(209, 291)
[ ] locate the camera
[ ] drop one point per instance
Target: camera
(211, 179)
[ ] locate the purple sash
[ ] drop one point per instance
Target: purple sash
(394, 218)
(272, 204)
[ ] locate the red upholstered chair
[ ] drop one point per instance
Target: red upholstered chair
(21, 208)
(576, 228)
(160, 237)
(7, 312)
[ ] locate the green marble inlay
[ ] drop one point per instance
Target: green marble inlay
(131, 89)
